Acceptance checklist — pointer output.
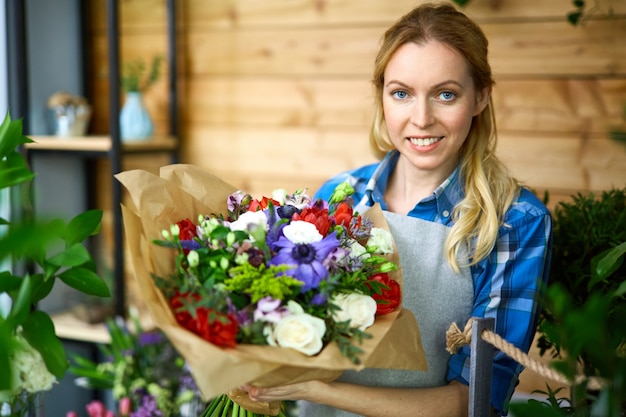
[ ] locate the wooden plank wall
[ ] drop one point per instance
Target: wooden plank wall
(276, 93)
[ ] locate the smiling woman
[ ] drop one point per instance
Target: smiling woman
(469, 236)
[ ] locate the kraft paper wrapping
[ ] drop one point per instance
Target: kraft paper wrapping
(182, 191)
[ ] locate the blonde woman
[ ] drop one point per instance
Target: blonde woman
(473, 242)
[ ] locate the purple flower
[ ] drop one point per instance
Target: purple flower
(269, 309)
(307, 257)
(150, 338)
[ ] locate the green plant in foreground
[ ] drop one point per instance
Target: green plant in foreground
(54, 248)
(594, 331)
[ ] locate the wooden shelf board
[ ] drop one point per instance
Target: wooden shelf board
(98, 144)
(68, 326)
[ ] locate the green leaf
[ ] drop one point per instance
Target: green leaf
(38, 330)
(86, 281)
(9, 282)
(6, 348)
(608, 261)
(11, 136)
(12, 176)
(74, 255)
(23, 302)
(83, 226)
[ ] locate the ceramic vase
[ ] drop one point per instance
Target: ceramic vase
(135, 122)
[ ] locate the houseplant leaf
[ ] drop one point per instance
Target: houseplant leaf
(38, 330)
(83, 226)
(75, 255)
(607, 262)
(86, 281)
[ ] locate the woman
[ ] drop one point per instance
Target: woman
(472, 241)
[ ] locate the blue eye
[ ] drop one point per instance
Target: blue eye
(447, 96)
(400, 95)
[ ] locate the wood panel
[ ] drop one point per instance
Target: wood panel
(591, 106)
(242, 155)
(199, 15)
(552, 49)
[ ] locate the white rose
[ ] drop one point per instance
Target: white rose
(299, 331)
(359, 309)
(248, 218)
(299, 232)
(380, 241)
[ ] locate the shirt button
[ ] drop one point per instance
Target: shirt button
(445, 213)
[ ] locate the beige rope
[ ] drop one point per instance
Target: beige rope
(455, 339)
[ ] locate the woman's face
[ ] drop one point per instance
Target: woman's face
(429, 101)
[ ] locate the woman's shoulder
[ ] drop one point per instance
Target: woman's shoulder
(526, 207)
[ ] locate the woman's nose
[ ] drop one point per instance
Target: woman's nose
(422, 115)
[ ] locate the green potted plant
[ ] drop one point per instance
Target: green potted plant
(583, 322)
(135, 121)
(32, 357)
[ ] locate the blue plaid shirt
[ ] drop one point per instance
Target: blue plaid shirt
(506, 283)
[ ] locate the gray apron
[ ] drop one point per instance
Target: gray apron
(433, 292)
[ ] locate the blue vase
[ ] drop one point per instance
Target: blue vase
(135, 122)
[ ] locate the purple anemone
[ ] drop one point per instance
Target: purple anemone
(308, 259)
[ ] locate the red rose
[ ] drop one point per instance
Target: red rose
(187, 229)
(215, 327)
(390, 297)
(317, 216)
(343, 214)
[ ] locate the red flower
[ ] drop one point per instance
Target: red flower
(187, 229)
(343, 214)
(390, 296)
(218, 328)
(317, 216)
(256, 205)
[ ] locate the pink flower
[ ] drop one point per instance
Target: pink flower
(125, 406)
(96, 409)
(71, 414)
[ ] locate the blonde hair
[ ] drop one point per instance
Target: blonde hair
(489, 188)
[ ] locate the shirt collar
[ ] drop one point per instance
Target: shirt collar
(447, 195)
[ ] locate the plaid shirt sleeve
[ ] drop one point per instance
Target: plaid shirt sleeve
(506, 286)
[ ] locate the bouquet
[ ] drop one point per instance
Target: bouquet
(263, 291)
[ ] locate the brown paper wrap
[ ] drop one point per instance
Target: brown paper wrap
(181, 191)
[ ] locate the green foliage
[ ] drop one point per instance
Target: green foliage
(134, 77)
(584, 317)
(261, 281)
(585, 231)
(138, 361)
(54, 248)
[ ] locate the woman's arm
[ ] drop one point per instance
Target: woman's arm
(446, 401)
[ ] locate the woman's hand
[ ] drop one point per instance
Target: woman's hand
(291, 392)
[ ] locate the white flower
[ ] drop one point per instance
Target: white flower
(249, 218)
(29, 370)
(380, 241)
(299, 331)
(280, 195)
(359, 309)
(299, 232)
(357, 250)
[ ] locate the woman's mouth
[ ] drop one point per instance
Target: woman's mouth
(425, 141)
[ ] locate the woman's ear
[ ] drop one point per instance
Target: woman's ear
(482, 99)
